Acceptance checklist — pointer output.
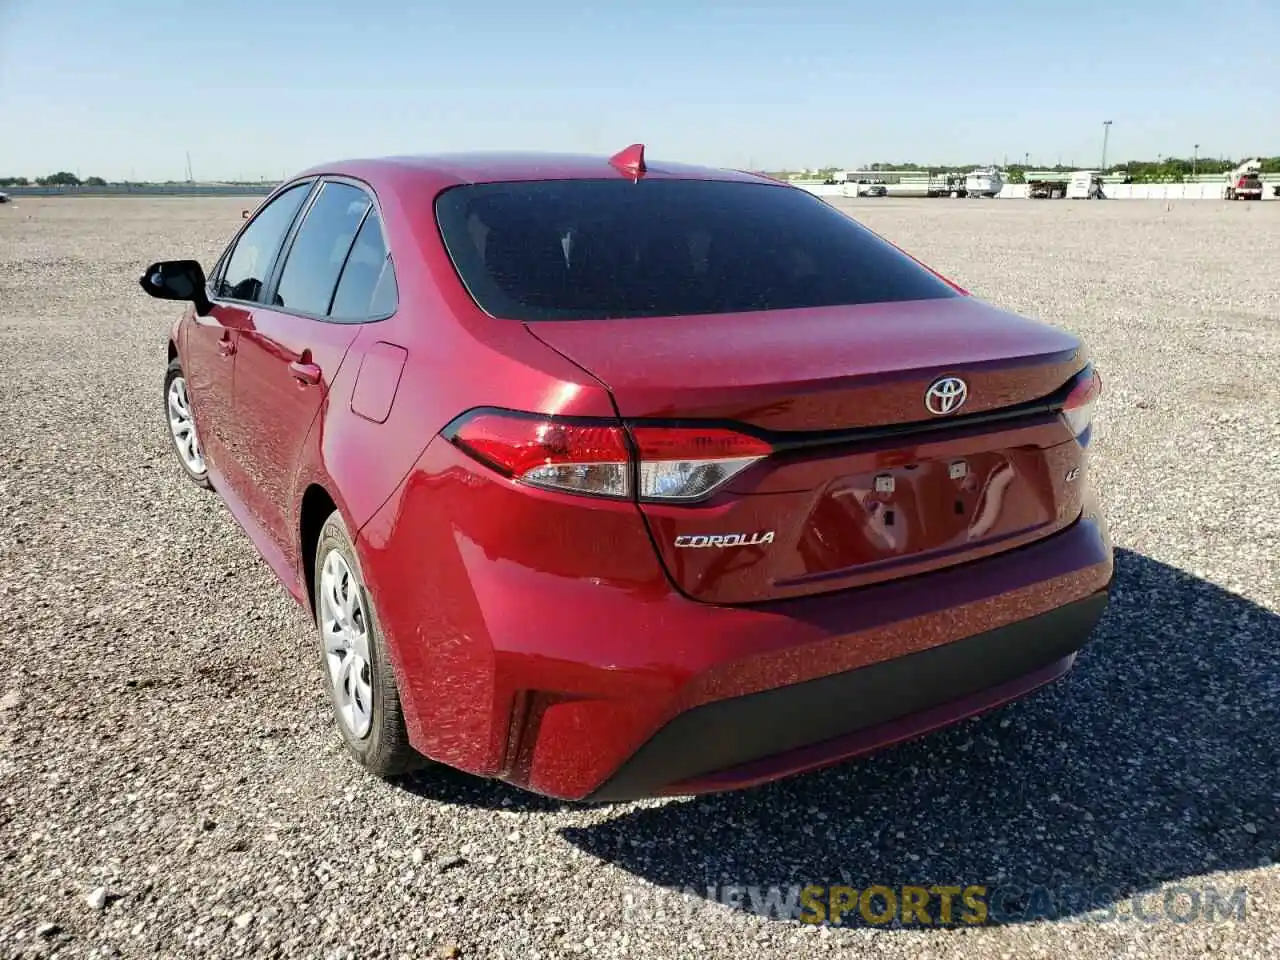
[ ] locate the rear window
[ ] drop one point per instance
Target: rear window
(598, 249)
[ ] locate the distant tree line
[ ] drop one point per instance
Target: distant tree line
(1164, 170)
(64, 178)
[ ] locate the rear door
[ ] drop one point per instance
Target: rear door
(211, 342)
(288, 360)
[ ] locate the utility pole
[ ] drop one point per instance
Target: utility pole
(1106, 133)
(1195, 158)
(190, 178)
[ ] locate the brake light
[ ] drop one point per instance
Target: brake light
(598, 458)
(1077, 409)
(547, 453)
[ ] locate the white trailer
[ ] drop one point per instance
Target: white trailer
(1085, 185)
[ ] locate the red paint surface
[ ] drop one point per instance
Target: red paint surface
(378, 380)
(541, 636)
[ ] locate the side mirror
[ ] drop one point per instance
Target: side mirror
(177, 280)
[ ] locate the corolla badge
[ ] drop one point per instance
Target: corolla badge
(946, 395)
(725, 539)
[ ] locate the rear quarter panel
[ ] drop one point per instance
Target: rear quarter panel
(455, 358)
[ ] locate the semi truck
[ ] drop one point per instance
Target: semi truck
(1244, 182)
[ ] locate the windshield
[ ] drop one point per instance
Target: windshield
(595, 249)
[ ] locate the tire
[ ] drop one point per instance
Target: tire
(375, 735)
(195, 468)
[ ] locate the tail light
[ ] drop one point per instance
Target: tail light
(678, 463)
(1077, 409)
(604, 458)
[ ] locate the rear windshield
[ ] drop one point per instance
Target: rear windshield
(598, 249)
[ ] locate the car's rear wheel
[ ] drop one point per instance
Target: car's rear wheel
(358, 675)
(182, 426)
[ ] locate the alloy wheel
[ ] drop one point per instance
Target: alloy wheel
(344, 627)
(182, 426)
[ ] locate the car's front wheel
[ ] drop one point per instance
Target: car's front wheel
(182, 426)
(357, 672)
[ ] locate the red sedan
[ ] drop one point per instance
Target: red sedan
(615, 480)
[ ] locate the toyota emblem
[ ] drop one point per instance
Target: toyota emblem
(945, 395)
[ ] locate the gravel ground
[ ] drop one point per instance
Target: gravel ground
(170, 781)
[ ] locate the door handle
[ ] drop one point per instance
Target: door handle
(307, 373)
(226, 346)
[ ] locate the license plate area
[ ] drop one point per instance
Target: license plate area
(926, 507)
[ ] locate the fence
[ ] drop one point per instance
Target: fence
(146, 190)
(1148, 191)
(1018, 191)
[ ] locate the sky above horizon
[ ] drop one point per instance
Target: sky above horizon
(259, 89)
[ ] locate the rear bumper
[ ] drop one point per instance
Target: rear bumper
(578, 673)
(748, 740)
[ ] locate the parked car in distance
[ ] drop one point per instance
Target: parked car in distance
(614, 479)
(4, 197)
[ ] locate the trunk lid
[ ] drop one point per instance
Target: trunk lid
(866, 483)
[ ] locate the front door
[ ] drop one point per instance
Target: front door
(286, 363)
(208, 362)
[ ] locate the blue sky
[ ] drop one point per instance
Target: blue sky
(256, 88)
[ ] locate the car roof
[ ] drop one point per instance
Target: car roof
(452, 169)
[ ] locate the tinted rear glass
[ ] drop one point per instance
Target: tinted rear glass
(594, 249)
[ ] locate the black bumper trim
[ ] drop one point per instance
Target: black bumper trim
(739, 730)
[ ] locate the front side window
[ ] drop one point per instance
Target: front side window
(320, 249)
(597, 249)
(250, 263)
